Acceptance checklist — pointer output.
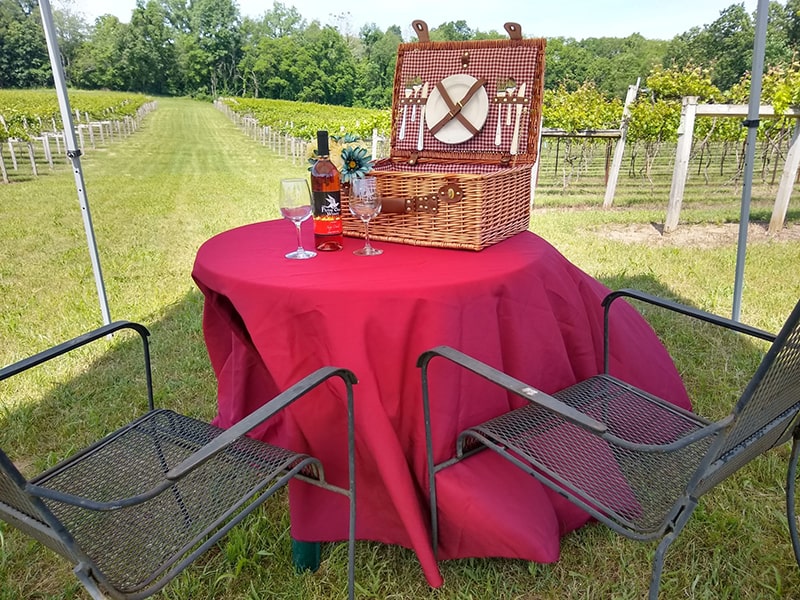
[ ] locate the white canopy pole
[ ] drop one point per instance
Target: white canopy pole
(73, 152)
(752, 129)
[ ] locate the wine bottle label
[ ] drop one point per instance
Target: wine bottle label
(327, 204)
(327, 213)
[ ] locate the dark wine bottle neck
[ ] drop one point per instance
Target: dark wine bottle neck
(323, 149)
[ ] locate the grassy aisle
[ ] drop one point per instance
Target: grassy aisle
(154, 197)
(188, 174)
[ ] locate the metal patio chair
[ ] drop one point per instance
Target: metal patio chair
(633, 461)
(134, 509)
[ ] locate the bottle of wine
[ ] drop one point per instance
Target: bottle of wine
(326, 203)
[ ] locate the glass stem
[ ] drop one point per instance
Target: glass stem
(366, 234)
(299, 242)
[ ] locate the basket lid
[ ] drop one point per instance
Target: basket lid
(471, 101)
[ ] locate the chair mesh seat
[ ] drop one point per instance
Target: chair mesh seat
(134, 459)
(634, 486)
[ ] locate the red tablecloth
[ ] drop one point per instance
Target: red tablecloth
(518, 305)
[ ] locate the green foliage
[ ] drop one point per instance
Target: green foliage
(673, 83)
(23, 52)
(26, 113)
(304, 119)
(654, 121)
(585, 108)
(204, 48)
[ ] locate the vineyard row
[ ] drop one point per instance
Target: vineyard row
(51, 141)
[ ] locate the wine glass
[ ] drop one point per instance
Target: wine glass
(295, 205)
(366, 205)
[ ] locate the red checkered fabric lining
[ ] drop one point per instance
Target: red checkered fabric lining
(495, 63)
(445, 168)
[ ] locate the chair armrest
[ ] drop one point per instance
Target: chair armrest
(69, 345)
(82, 340)
(685, 310)
(251, 421)
(521, 389)
(677, 307)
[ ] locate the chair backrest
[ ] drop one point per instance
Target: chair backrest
(767, 412)
(28, 513)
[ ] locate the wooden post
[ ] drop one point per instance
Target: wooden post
(13, 154)
(684, 149)
(787, 181)
(32, 158)
(619, 150)
(46, 146)
(3, 167)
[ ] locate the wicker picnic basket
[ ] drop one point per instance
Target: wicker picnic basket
(465, 133)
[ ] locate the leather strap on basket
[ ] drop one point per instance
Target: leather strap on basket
(455, 107)
(450, 192)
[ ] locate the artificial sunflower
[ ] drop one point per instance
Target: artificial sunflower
(355, 163)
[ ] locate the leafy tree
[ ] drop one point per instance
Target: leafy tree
(726, 46)
(24, 61)
(612, 64)
(282, 21)
(452, 31)
(98, 63)
(376, 67)
(567, 64)
(71, 31)
(331, 79)
(148, 52)
(212, 53)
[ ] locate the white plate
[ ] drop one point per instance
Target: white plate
(475, 110)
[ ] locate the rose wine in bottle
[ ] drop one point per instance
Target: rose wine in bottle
(326, 203)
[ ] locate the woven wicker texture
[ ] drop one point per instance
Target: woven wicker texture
(495, 207)
(496, 186)
(121, 541)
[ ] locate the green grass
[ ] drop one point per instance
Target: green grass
(188, 174)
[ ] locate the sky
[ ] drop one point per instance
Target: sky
(577, 19)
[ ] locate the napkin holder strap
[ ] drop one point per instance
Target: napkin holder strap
(428, 203)
(455, 107)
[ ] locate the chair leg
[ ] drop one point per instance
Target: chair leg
(678, 523)
(351, 549)
(791, 476)
(88, 582)
(658, 564)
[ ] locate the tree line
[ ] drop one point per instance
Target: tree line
(206, 48)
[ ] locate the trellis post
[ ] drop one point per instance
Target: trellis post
(682, 154)
(787, 182)
(619, 150)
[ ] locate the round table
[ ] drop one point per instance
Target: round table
(518, 305)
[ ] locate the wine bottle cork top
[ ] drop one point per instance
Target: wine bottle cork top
(322, 143)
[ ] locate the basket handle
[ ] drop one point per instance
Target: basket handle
(421, 29)
(448, 193)
(514, 30)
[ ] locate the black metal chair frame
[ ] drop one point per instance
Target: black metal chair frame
(188, 454)
(659, 442)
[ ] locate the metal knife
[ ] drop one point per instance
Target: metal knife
(515, 138)
(424, 97)
(498, 131)
(407, 94)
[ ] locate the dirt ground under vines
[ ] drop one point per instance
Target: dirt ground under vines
(699, 236)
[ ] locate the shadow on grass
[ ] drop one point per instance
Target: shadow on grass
(714, 363)
(100, 387)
